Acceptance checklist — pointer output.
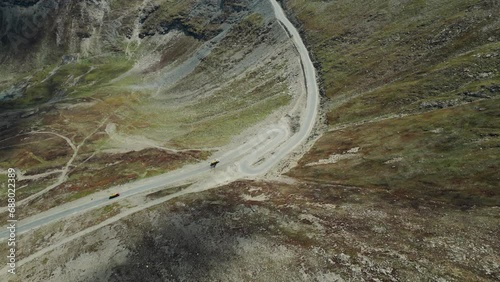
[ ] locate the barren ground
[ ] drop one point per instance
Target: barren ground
(262, 231)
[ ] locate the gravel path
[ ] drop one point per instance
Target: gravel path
(252, 159)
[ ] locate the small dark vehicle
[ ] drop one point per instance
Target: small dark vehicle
(213, 163)
(114, 196)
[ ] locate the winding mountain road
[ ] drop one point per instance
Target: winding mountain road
(256, 156)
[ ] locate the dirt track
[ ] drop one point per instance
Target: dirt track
(254, 158)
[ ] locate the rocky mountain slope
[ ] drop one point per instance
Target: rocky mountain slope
(415, 86)
(98, 93)
(402, 186)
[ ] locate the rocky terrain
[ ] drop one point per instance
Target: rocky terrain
(261, 231)
(105, 92)
(401, 186)
(414, 86)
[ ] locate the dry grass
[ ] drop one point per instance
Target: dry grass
(444, 156)
(379, 60)
(303, 232)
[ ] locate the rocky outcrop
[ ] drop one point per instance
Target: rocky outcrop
(45, 30)
(486, 92)
(177, 24)
(22, 3)
(233, 5)
(202, 22)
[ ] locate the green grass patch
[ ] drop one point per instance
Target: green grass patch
(218, 131)
(363, 46)
(78, 79)
(3, 185)
(449, 155)
(380, 59)
(32, 188)
(178, 14)
(222, 114)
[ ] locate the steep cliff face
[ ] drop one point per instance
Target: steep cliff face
(39, 33)
(21, 3)
(34, 33)
(37, 36)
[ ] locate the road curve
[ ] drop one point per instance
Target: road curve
(308, 120)
(254, 157)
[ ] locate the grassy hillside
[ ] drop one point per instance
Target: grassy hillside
(415, 85)
(403, 185)
(90, 105)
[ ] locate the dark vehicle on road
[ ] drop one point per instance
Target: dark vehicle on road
(213, 163)
(114, 196)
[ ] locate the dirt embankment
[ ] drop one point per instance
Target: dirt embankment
(262, 231)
